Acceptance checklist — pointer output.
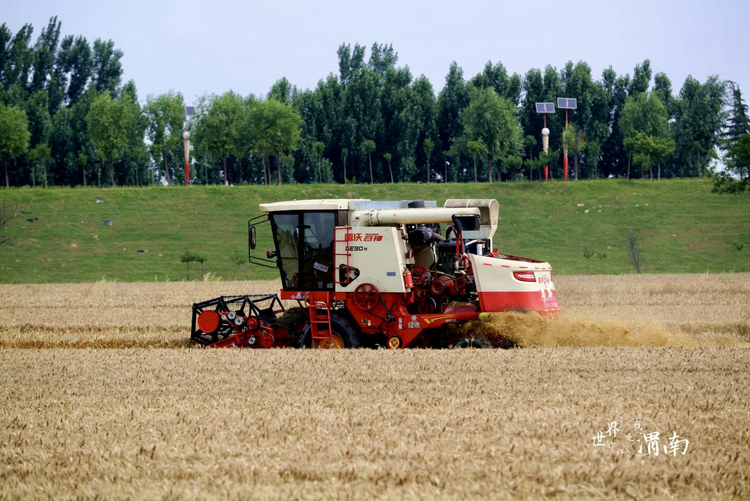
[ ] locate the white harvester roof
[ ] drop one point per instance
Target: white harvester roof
(366, 212)
(319, 204)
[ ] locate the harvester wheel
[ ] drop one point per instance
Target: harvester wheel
(342, 336)
(335, 343)
(470, 343)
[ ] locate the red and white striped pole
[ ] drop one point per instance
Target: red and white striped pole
(186, 141)
(545, 146)
(565, 148)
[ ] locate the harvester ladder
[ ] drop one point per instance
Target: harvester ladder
(345, 241)
(317, 319)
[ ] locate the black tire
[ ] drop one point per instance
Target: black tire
(341, 326)
(469, 343)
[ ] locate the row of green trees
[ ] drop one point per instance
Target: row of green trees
(67, 119)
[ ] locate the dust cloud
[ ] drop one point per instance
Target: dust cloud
(516, 329)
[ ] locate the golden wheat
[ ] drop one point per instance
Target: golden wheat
(235, 424)
(415, 424)
(628, 310)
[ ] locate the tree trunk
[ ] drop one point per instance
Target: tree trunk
(344, 170)
(446, 173)
(166, 167)
(112, 175)
(205, 173)
(5, 166)
(427, 166)
(83, 171)
(476, 179)
(629, 158)
(575, 169)
(651, 172)
(489, 167)
(33, 176)
(44, 171)
(278, 167)
(226, 174)
(99, 176)
(369, 157)
(658, 171)
(390, 170)
(320, 176)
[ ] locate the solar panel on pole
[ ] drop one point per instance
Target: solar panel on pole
(545, 107)
(567, 103)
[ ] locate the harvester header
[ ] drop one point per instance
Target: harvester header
(377, 273)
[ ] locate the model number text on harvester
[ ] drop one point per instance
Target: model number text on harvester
(359, 237)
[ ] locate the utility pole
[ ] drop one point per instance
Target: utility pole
(189, 111)
(545, 108)
(566, 103)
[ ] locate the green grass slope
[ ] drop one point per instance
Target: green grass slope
(681, 227)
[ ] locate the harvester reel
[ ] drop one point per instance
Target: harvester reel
(366, 297)
(217, 319)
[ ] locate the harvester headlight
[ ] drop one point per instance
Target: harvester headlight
(231, 315)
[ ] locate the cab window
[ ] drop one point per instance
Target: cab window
(286, 230)
(317, 250)
(304, 243)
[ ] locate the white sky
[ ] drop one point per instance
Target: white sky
(212, 46)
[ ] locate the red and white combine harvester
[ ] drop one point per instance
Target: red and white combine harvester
(370, 273)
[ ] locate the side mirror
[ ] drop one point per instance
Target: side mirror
(251, 237)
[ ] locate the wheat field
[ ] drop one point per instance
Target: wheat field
(622, 310)
(92, 406)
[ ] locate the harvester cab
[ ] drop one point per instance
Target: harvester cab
(376, 273)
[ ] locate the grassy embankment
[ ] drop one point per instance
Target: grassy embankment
(681, 227)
